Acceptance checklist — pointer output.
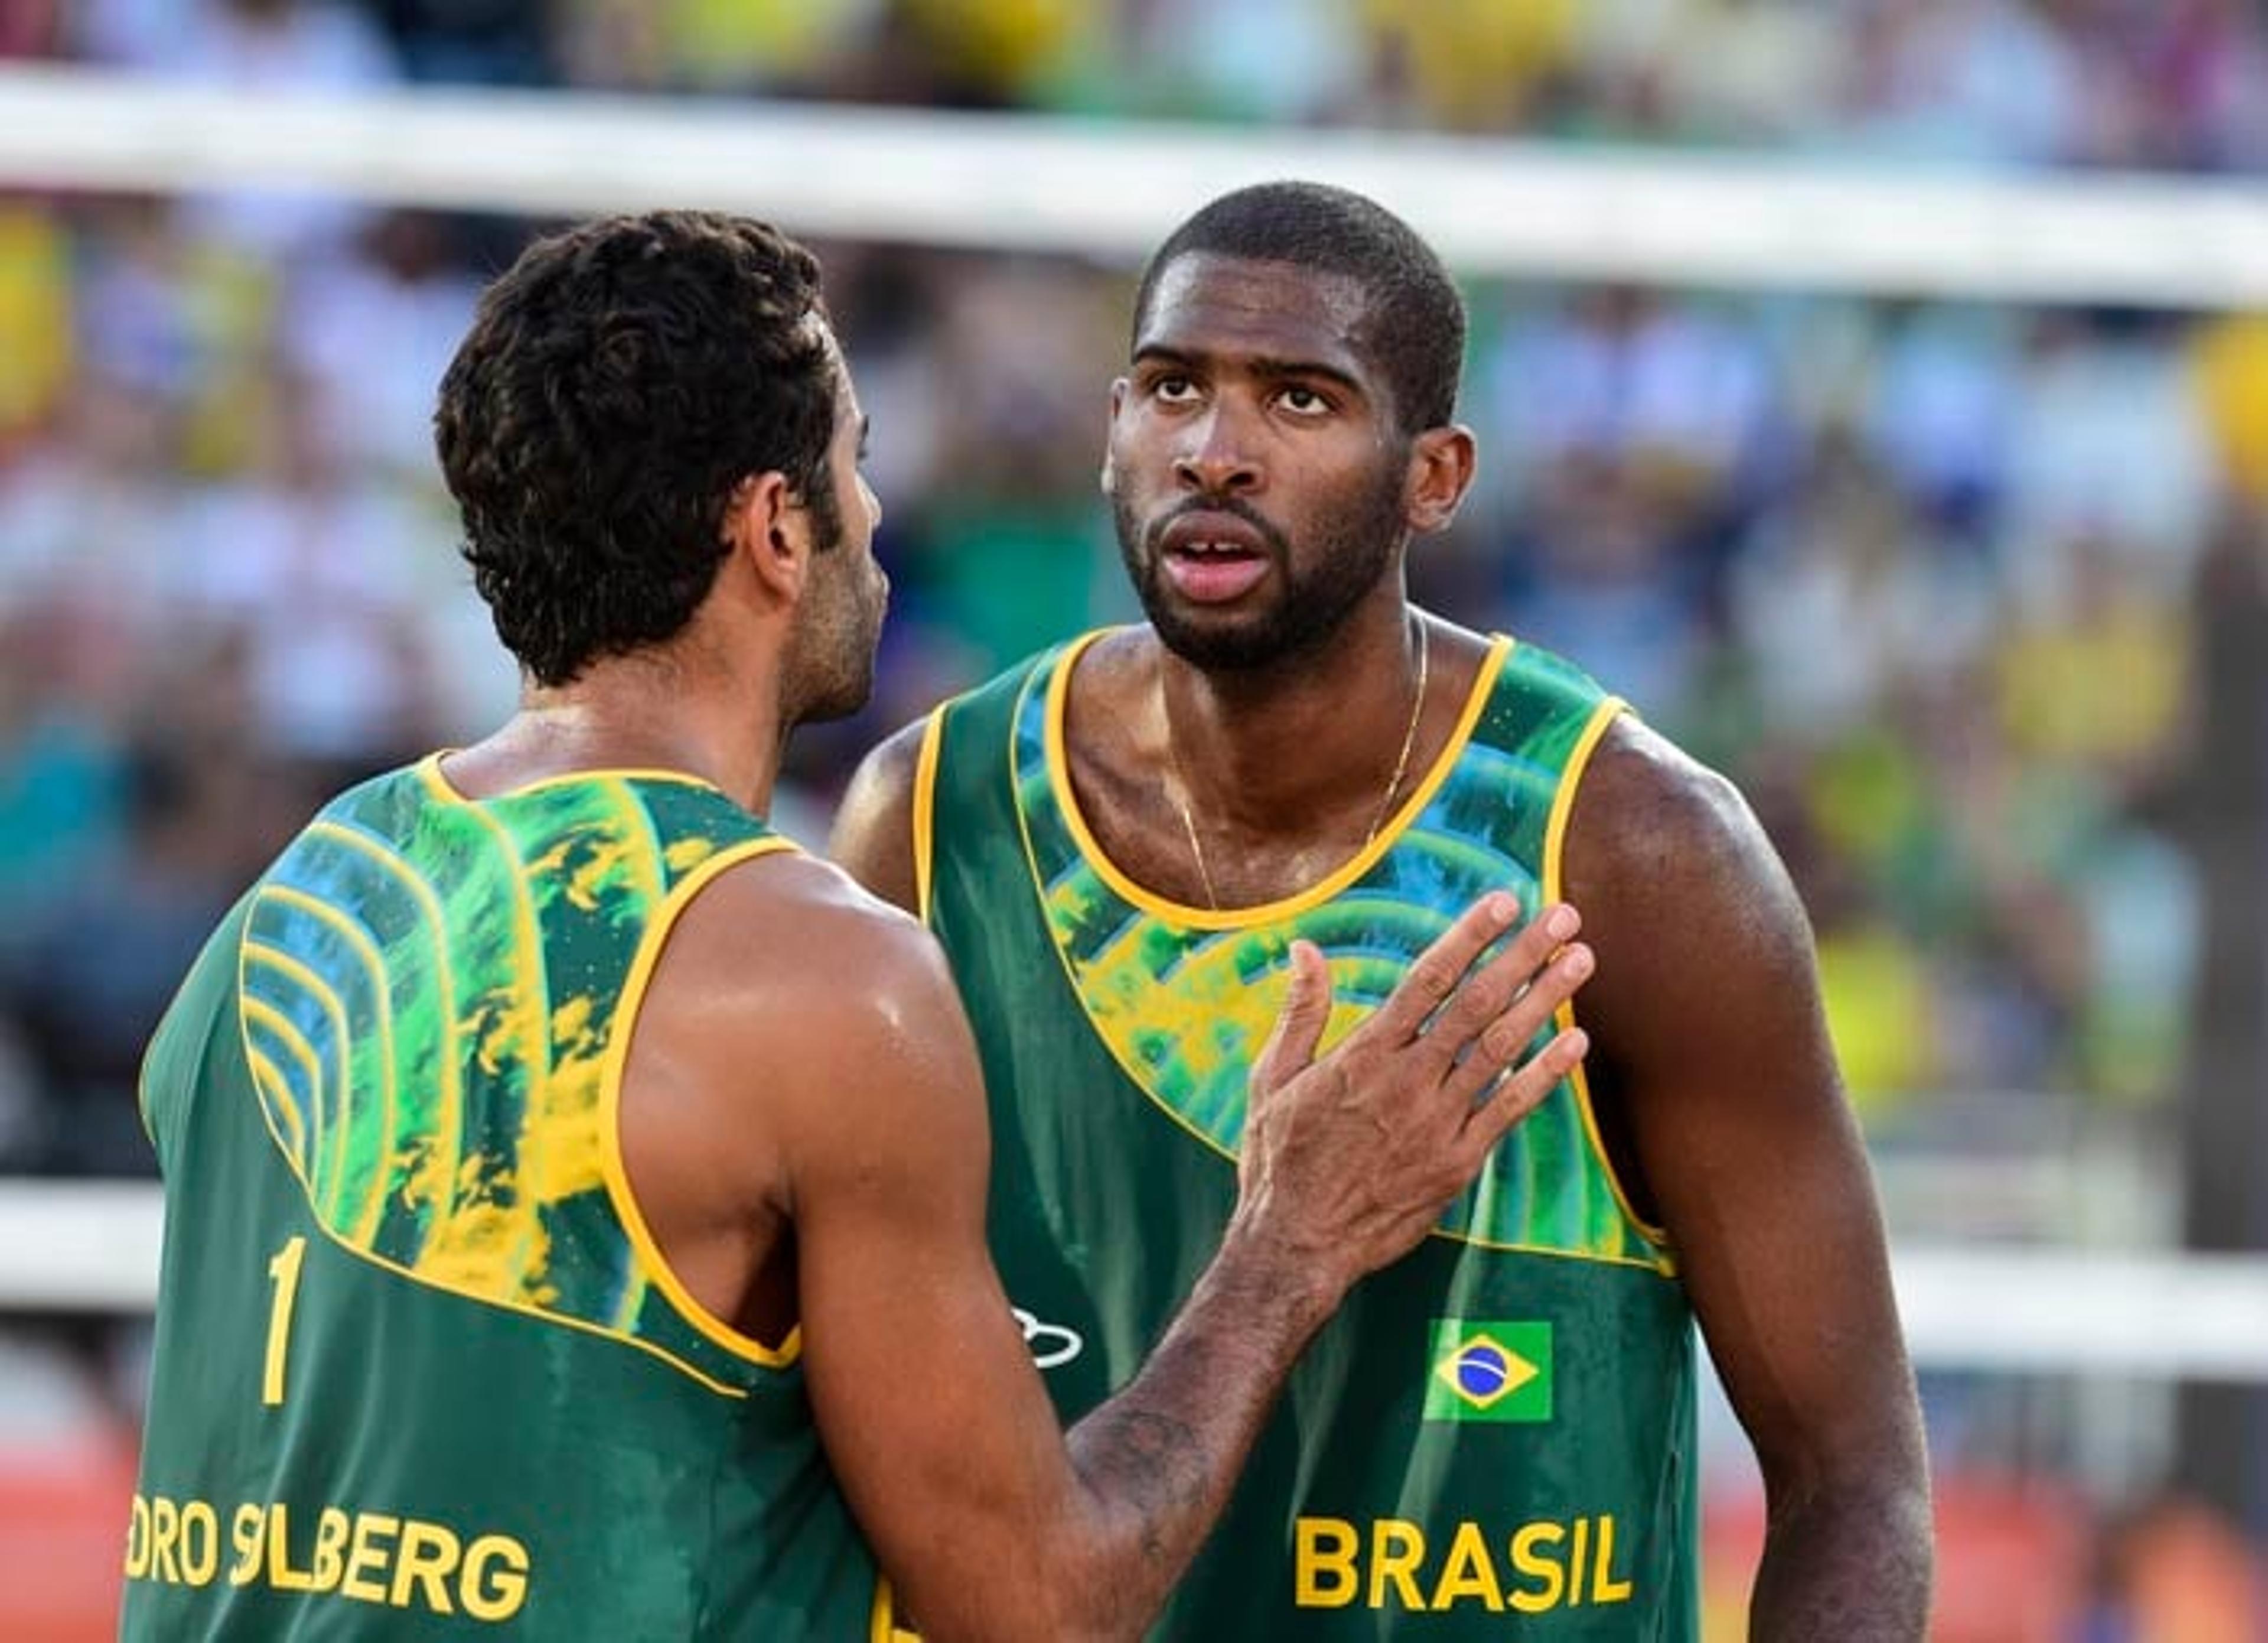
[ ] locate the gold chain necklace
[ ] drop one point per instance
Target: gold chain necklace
(1385, 800)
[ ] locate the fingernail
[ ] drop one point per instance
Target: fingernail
(1562, 922)
(1578, 961)
(1502, 909)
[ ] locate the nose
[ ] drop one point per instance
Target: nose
(1218, 460)
(874, 504)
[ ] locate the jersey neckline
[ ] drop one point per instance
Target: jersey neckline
(437, 784)
(1348, 871)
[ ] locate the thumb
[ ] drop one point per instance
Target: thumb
(1300, 1024)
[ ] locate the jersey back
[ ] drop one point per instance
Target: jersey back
(1494, 1437)
(420, 1370)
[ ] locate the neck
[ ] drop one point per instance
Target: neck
(634, 713)
(1350, 711)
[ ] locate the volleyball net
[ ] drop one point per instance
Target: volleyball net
(1108, 192)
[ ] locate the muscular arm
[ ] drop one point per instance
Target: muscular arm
(1715, 1074)
(933, 1414)
(816, 1051)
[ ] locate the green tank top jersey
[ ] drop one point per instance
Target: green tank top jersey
(421, 1371)
(1495, 1437)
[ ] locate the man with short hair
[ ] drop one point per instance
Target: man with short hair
(574, 1193)
(1119, 841)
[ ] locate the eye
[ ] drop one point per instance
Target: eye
(1174, 389)
(1303, 401)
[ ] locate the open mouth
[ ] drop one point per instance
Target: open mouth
(1213, 574)
(1212, 557)
(1211, 552)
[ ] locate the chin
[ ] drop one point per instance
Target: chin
(846, 703)
(1218, 641)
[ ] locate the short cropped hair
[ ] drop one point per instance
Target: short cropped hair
(1415, 329)
(619, 382)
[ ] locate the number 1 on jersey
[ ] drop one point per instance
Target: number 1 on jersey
(283, 1271)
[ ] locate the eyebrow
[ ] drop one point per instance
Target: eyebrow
(1263, 365)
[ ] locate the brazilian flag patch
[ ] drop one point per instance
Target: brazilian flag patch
(1489, 1369)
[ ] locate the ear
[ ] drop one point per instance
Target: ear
(1442, 461)
(771, 533)
(1109, 479)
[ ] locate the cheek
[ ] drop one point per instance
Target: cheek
(1373, 480)
(1342, 499)
(1137, 452)
(1329, 480)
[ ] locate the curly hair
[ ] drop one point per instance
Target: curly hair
(1415, 332)
(619, 382)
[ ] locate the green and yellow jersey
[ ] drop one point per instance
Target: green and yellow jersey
(421, 1371)
(1495, 1437)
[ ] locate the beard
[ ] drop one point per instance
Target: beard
(830, 671)
(845, 693)
(1348, 556)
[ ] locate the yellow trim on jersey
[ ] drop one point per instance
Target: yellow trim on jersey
(365, 949)
(1499, 647)
(255, 1061)
(429, 769)
(142, 1101)
(882, 1620)
(1555, 839)
(1316, 894)
(643, 1244)
(932, 746)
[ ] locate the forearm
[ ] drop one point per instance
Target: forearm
(1852, 1565)
(1156, 1464)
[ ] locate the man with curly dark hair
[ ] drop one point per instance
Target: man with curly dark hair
(611, 395)
(574, 1193)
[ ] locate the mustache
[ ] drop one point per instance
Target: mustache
(1233, 506)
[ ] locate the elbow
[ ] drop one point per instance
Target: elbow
(1855, 1564)
(1891, 1503)
(1874, 1503)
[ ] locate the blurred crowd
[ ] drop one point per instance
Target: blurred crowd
(2128, 83)
(1925, 577)
(1937, 583)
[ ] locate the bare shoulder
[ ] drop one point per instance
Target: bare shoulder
(797, 1037)
(796, 1014)
(1704, 944)
(1649, 814)
(790, 945)
(873, 834)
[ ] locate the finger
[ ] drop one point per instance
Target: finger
(1521, 1094)
(1495, 988)
(1434, 974)
(1505, 1042)
(1298, 1029)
